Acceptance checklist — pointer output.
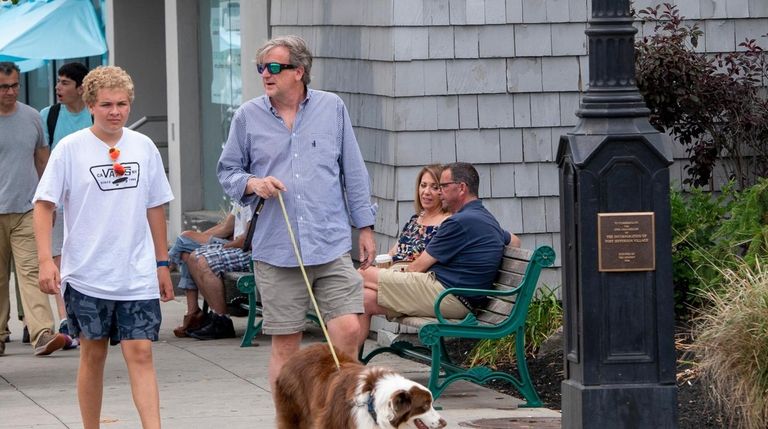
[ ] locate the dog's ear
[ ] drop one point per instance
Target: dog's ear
(401, 407)
(421, 398)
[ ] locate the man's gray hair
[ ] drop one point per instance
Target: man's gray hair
(298, 50)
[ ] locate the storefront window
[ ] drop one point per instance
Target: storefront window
(38, 88)
(220, 87)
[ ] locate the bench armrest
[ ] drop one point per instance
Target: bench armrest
(468, 292)
(543, 256)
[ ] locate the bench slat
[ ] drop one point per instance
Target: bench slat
(508, 279)
(516, 266)
(498, 286)
(418, 322)
(499, 307)
(490, 317)
(518, 253)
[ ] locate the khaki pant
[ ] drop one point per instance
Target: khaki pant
(17, 239)
(414, 294)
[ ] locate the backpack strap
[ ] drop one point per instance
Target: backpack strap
(53, 116)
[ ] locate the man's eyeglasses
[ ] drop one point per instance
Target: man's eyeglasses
(444, 184)
(5, 87)
(274, 68)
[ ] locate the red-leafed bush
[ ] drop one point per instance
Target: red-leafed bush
(714, 105)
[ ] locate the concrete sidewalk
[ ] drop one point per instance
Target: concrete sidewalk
(205, 384)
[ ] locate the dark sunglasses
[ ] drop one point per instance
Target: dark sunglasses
(274, 68)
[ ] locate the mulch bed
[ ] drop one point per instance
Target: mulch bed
(695, 409)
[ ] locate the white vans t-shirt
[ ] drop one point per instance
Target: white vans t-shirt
(108, 251)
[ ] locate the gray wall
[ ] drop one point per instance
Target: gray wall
(183, 129)
(138, 36)
(491, 82)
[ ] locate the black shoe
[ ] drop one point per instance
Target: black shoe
(220, 327)
(25, 336)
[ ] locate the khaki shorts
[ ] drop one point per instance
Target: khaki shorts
(413, 294)
(337, 286)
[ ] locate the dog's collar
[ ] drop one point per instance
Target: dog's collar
(372, 407)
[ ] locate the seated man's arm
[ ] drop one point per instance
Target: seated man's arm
(223, 229)
(422, 263)
(239, 241)
(514, 241)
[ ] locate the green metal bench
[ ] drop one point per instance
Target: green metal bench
(504, 314)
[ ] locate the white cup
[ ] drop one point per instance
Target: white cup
(383, 261)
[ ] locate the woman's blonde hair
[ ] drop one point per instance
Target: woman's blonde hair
(106, 77)
(433, 170)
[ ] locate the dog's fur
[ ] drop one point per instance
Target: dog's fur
(312, 394)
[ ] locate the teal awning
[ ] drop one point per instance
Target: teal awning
(37, 30)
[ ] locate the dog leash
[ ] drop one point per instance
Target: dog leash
(306, 280)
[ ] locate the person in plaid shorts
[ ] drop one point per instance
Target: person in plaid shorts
(207, 266)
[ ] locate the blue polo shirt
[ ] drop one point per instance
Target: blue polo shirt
(468, 247)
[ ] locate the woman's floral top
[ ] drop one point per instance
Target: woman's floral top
(413, 240)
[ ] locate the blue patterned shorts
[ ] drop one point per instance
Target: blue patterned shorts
(96, 318)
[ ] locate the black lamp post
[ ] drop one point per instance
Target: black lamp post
(615, 224)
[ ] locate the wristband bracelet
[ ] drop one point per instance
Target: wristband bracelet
(163, 264)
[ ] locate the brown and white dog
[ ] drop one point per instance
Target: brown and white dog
(312, 394)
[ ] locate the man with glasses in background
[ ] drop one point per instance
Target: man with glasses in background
(65, 117)
(23, 156)
(465, 252)
(300, 142)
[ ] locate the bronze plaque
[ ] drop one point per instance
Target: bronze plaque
(626, 241)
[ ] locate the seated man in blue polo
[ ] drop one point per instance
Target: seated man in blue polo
(465, 252)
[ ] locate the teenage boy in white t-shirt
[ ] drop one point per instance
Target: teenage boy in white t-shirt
(114, 270)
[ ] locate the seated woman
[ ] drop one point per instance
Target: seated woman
(424, 223)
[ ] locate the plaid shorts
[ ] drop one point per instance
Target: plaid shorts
(221, 259)
(96, 318)
(187, 245)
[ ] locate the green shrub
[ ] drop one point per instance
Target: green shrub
(711, 233)
(695, 218)
(545, 315)
(745, 232)
(731, 345)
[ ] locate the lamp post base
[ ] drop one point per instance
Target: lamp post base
(618, 406)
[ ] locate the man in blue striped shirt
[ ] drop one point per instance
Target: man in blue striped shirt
(299, 142)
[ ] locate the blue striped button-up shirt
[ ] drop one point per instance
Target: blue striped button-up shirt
(320, 164)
